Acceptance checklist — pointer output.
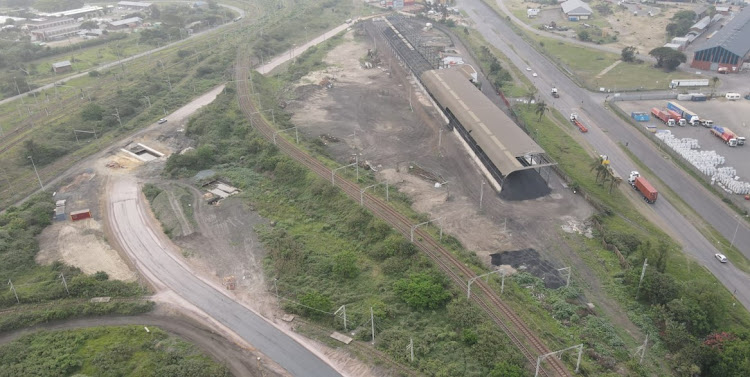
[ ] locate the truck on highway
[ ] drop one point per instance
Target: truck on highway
(555, 93)
(686, 114)
(581, 127)
(641, 185)
(728, 136)
(663, 116)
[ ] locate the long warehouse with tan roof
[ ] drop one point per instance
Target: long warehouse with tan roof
(497, 141)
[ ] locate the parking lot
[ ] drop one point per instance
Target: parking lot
(731, 114)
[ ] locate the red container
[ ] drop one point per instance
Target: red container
(80, 215)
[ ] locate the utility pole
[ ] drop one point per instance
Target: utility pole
(37, 175)
(342, 309)
(410, 348)
(276, 287)
(641, 350)
(643, 273)
(481, 195)
(117, 114)
(12, 288)
(567, 281)
(65, 283)
(372, 321)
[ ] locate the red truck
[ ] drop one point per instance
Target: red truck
(641, 185)
(663, 116)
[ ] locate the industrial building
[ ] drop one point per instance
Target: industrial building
(136, 5)
(131, 22)
(85, 12)
(56, 32)
(501, 146)
(62, 67)
(728, 48)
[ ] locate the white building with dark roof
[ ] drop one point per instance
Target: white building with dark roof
(577, 8)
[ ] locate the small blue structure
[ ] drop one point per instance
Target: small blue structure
(640, 116)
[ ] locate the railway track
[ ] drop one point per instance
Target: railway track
(500, 313)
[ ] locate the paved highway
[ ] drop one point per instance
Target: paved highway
(605, 131)
(150, 251)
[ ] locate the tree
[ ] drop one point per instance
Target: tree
(345, 265)
(600, 165)
(614, 180)
(628, 54)
(584, 35)
(506, 369)
(316, 303)
(421, 291)
(667, 58)
(541, 108)
(92, 112)
(89, 25)
(155, 12)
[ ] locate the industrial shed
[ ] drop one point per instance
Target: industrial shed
(501, 146)
(728, 48)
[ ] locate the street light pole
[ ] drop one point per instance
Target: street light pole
(37, 173)
(735, 232)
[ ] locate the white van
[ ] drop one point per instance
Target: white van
(733, 96)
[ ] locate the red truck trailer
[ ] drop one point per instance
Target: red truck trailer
(641, 185)
(663, 116)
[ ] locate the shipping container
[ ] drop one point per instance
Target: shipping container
(699, 97)
(80, 215)
(640, 116)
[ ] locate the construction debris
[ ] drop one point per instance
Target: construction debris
(114, 165)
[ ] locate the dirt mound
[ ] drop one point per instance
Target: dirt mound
(524, 185)
(531, 261)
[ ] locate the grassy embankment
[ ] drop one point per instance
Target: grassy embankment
(106, 351)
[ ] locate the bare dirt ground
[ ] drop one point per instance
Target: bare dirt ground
(82, 244)
(397, 139)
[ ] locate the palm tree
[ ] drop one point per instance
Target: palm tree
(614, 180)
(541, 107)
(601, 168)
(530, 97)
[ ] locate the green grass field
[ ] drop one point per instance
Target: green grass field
(106, 351)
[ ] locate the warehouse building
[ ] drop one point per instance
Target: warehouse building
(504, 150)
(728, 48)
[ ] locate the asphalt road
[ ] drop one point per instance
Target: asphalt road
(605, 130)
(122, 61)
(150, 251)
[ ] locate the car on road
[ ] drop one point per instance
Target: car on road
(534, 74)
(528, 68)
(162, 121)
(721, 257)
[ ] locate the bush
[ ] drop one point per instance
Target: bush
(421, 291)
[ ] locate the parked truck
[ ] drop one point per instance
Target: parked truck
(641, 185)
(663, 116)
(689, 116)
(555, 93)
(640, 116)
(677, 118)
(730, 138)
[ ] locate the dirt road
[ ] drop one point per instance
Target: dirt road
(240, 361)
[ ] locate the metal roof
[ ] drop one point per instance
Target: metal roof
(576, 8)
(498, 136)
(136, 4)
(126, 21)
(64, 63)
(734, 36)
(702, 24)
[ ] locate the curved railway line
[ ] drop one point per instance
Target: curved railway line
(484, 296)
